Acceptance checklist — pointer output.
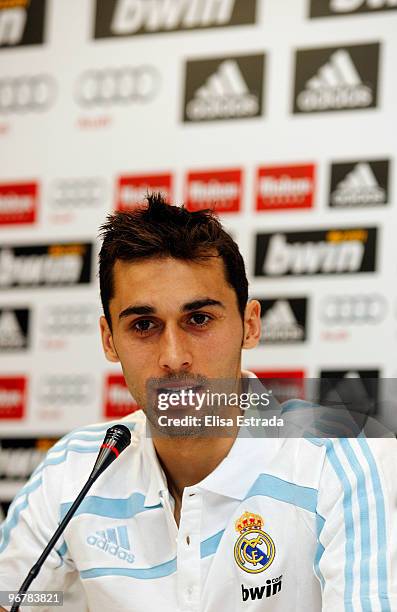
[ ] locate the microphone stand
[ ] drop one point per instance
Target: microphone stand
(60, 529)
(116, 440)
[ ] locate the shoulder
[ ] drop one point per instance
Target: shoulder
(78, 447)
(358, 469)
(91, 436)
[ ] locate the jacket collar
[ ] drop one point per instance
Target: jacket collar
(233, 477)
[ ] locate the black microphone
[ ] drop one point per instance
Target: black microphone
(117, 438)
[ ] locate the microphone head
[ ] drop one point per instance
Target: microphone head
(117, 438)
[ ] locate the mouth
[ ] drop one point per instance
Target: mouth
(179, 397)
(178, 389)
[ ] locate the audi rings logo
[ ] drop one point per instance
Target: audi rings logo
(27, 93)
(73, 319)
(354, 309)
(66, 389)
(77, 193)
(117, 85)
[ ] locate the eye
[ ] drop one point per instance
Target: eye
(141, 327)
(199, 319)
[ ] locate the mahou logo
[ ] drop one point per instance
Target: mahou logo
(284, 384)
(337, 8)
(331, 251)
(336, 78)
(132, 17)
(220, 190)
(132, 190)
(118, 400)
(12, 397)
(18, 203)
(21, 22)
(285, 187)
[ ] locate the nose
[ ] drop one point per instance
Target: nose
(174, 352)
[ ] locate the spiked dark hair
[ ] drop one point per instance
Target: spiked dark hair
(158, 229)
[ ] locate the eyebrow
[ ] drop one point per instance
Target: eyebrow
(149, 310)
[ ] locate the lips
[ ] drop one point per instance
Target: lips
(172, 384)
(178, 388)
(179, 397)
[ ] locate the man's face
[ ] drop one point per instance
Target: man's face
(176, 321)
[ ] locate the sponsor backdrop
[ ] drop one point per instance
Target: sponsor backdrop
(280, 113)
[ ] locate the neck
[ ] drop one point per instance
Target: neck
(187, 461)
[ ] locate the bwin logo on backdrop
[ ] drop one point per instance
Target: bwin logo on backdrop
(336, 8)
(336, 79)
(132, 17)
(21, 22)
(334, 251)
(224, 88)
(114, 542)
(45, 265)
(19, 457)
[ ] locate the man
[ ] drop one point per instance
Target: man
(183, 520)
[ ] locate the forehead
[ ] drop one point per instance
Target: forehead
(155, 279)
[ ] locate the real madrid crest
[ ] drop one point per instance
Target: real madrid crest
(254, 550)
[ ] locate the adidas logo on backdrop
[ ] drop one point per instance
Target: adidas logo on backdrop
(14, 324)
(361, 183)
(224, 88)
(283, 320)
(334, 79)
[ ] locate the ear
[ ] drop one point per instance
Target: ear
(252, 324)
(107, 341)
